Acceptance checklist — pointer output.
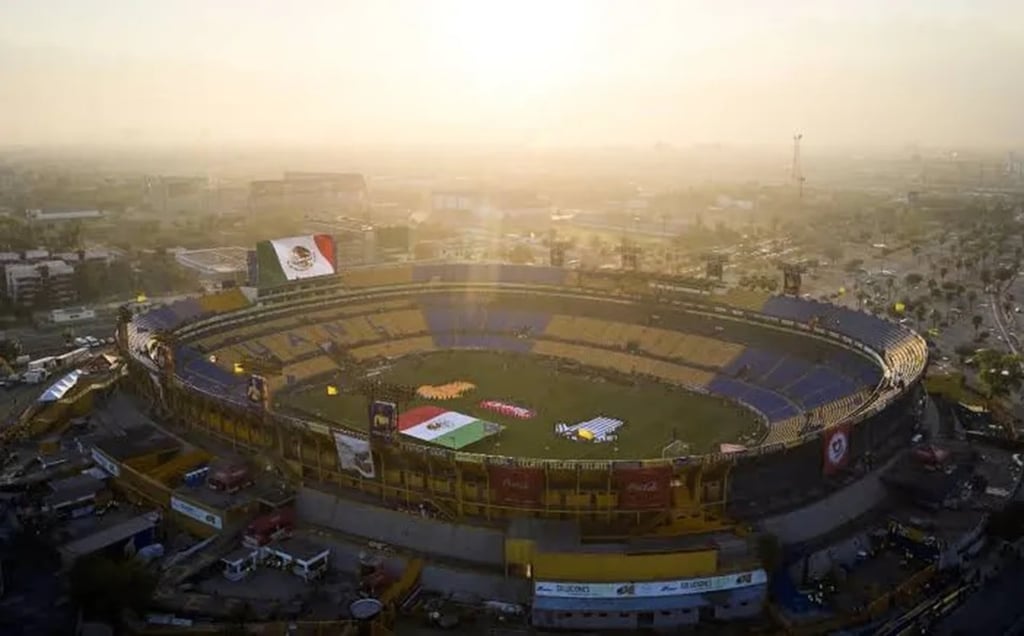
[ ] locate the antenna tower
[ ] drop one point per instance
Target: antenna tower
(796, 172)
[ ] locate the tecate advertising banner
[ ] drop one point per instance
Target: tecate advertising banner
(295, 258)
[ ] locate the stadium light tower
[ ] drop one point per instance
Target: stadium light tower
(796, 171)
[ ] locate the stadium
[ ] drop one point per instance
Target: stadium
(610, 439)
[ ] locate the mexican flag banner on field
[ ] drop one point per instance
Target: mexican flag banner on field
(295, 258)
(442, 427)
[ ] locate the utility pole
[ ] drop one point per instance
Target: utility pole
(796, 171)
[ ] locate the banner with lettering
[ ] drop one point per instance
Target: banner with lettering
(643, 488)
(513, 486)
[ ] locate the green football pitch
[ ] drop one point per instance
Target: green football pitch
(652, 412)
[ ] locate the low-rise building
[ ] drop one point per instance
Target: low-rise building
(48, 282)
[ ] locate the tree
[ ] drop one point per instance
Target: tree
(920, 311)
(976, 320)
(520, 254)
(10, 349)
(1001, 373)
(104, 588)
(833, 252)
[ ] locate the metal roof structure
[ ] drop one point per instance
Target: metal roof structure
(61, 387)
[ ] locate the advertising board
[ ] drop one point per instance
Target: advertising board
(650, 589)
(647, 488)
(835, 449)
(105, 462)
(354, 454)
(383, 421)
(516, 486)
(196, 513)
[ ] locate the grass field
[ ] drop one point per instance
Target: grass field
(650, 410)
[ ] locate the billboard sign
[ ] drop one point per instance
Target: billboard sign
(354, 454)
(514, 486)
(295, 258)
(650, 589)
(252, 267)
(836, 449)
(644, 488)
(383, 421)
(196, 513)
(105, 462)
(258, 391)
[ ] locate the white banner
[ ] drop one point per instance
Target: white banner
(105, 463)
(648, 589)
(354, 454)
(195, 512)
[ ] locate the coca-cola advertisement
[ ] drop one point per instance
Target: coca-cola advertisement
(512, 486)
(644, 488)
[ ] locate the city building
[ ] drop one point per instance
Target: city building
(49, 282)
(311, 193)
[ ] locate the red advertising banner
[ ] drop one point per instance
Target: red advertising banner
(514, 486)
(644, 488)
(836, 449)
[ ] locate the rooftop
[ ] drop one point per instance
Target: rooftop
(299, 548)
(108, 536)
(136, 443)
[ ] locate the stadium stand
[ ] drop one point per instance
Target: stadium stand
(514, 274)
(744, 298)
(394, 348)
(629, 363)
(301, 371)
(196, 369)
(663, 343)
(774, 406)
(377, 277)
(452, 322)
(877, 333)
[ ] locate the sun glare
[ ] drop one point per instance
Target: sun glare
(516, 45)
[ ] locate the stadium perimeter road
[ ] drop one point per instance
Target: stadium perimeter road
(445, 575)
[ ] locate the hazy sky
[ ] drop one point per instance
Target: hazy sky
(555, 72)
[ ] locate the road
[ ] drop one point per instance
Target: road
(1000, 321)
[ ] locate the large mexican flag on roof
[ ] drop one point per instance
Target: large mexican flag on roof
(294, 258)
(442, 427)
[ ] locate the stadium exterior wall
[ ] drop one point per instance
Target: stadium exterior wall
(471, 544)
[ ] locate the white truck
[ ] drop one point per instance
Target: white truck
(48, 363)
(35, 376)
(72, 358)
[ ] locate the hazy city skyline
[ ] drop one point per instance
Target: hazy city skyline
(541, 74)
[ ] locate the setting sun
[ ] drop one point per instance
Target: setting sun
(514, 46)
